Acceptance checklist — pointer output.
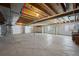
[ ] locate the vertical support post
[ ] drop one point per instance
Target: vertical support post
(23, 29)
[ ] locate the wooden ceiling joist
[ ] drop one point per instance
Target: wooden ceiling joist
(74, 5)
(56, 7)
(23, 21)
(35, 9)
(48, 9)
(39, 6)
(29, 16)
(53, 6)
(32, 13)
(64, 7)
(44, 7)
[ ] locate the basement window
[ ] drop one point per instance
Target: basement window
(28, 29)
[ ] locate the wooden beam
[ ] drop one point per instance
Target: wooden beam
(29, 17)
(48, 9)
(69, 6)
(53, 6)
(34, 10)
(37, 10)
(58, 15)
(64, 7)
(56, 8)
(74, 6)
(32, 13)
(44, 8)
(24, 20)
(38, 5)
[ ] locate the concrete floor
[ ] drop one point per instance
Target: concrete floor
(36, 44)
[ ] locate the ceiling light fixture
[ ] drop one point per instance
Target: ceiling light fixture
(37, 15)
(19, 23)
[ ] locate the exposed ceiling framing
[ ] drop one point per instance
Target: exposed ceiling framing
(59, 15)
(38, 12)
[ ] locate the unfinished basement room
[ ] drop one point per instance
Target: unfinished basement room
(39, 29)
